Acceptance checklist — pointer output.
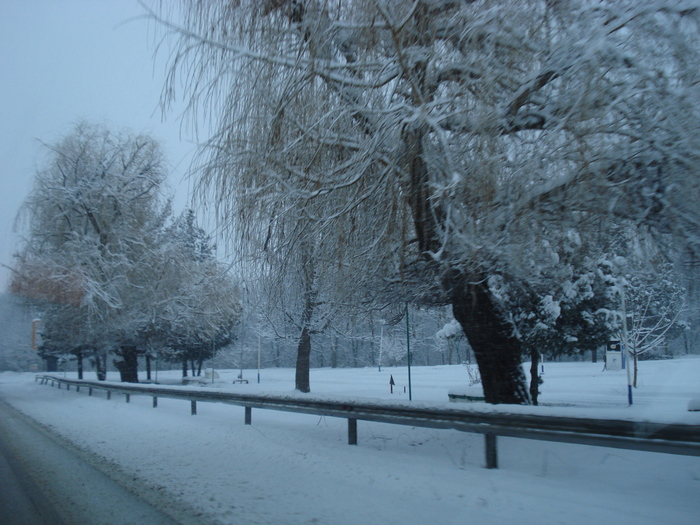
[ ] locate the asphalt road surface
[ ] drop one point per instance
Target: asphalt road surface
(45, 480)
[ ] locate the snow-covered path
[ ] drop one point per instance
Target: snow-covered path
(293, 468)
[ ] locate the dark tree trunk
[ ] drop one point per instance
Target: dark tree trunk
(534, 376)
(497, 351)
(302, 382)
(148, 367)
(79, 355)
(184, 368)
(100, 365)
(129, 365)
(199, 366)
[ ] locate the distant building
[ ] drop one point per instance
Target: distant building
(16, 336)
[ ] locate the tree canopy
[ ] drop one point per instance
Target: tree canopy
(110, 272)
(435, 146)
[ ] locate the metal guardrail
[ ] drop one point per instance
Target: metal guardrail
(631, 435)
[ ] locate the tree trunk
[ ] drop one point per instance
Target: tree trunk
(79, 355)
(534, 375)
(302, 382)
(184, 368)
(148, 367)
(496, 349)
(199, 366)
(129, 365)
(100, 365)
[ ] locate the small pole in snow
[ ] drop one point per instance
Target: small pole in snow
(391, 383)
(408, 354)
(258, 359)
(381, 343)
(626, 346)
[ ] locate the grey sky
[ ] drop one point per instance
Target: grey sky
(66, 60)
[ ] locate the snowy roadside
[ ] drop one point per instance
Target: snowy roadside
(291, 468)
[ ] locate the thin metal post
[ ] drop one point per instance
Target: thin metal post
(408, 349)
(352, 431)
(194, 407)
(491, 451)
(626, 345)
(248, 415)
(128, 397)
(258, 359)
(90, 391)
(109, 394)
(77, 388)
(67, 386)
(155, 401)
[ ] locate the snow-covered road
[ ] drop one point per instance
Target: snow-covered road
(45, 480)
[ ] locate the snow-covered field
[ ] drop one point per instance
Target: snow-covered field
(291, 468)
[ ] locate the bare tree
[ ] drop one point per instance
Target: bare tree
(428, 142)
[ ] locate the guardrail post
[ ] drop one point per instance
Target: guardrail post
(248, 415)
(59, 385)
(491, 451)
(109, 394)
(90, 391)
(77, 388)
(194, 407)
(128, 397)
(352, 431)
(67, 386)
(155, 401)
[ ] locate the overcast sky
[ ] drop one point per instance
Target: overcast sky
(66, 60)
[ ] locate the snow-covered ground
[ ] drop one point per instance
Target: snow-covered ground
(292, 468)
